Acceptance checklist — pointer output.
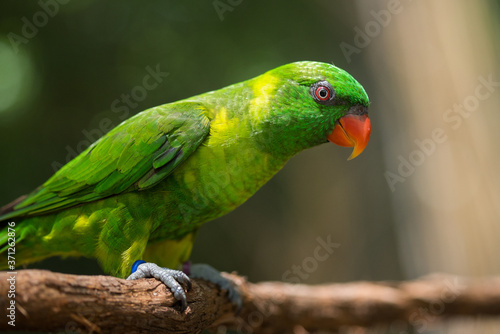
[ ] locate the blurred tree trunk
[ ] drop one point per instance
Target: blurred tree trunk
(437, 64)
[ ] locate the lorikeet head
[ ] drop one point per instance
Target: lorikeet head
(315, 102)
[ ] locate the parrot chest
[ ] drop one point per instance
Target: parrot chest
(213, 182)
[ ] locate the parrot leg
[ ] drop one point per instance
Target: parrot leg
(174, 279)
(171, 278)
(210, 274)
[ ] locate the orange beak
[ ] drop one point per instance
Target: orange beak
(352, 130)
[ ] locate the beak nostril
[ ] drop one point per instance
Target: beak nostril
(357, 110)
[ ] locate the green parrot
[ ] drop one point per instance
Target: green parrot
(142, 191)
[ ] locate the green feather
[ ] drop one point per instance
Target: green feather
(143, 189)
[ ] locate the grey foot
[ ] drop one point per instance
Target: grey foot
(210, 274)
(171, 278)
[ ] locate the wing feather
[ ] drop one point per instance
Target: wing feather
(136, 155)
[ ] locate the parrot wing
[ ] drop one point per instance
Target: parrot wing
(135, 155)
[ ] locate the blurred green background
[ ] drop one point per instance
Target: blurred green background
(62, 68)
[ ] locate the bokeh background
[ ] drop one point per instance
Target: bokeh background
(424, 196)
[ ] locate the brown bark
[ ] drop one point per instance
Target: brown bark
(47, 301)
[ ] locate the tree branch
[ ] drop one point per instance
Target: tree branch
(47, 301)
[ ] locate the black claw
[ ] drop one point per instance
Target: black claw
(238, 309)
(184, 305)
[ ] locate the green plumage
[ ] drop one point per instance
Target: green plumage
(143, 189)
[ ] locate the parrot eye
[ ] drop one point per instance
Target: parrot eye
(322, 92)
